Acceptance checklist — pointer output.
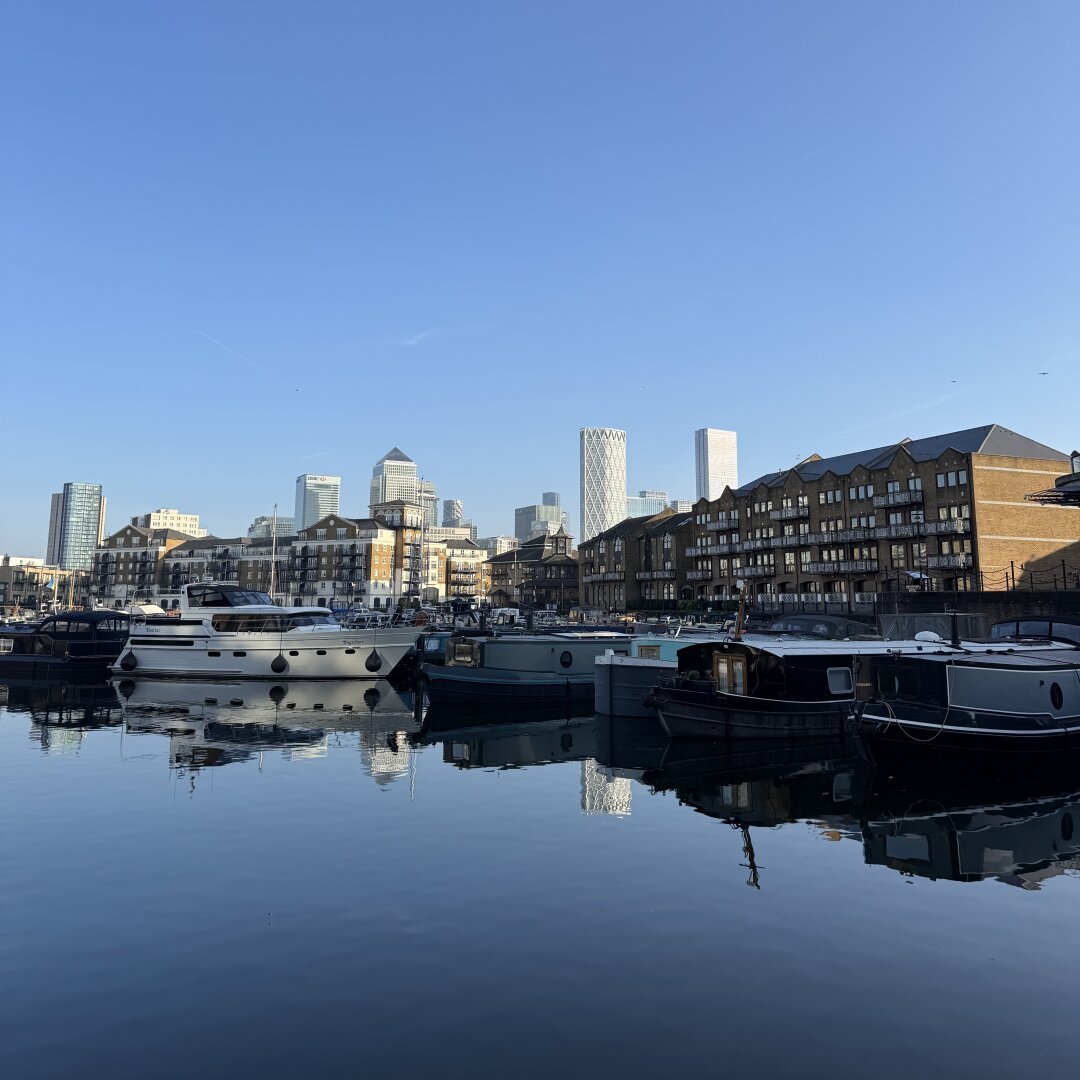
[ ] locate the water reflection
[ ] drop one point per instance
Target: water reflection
(933, 827)
(1017, 836)
(213, 723)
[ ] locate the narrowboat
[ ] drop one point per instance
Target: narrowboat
(227, 632)
(533, 669)
(68, 644)
(981, 704)
(782, 688)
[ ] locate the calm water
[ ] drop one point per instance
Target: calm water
(201, 880)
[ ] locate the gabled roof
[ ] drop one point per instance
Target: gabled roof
(211, 542)
(988, 439)
(627, 525)
(667, 524)
(171, 534)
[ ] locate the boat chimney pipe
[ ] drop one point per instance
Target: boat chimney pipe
(955, 630)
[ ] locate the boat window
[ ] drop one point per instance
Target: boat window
(840, 680)
(649, 652)
(1066, 631)
(729, 673)
(1037, 628)
(70, 626)
(246, 624)
(898, 683)
(293, 621)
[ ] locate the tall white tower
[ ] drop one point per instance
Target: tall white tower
(316, 496)
(394, 478)
(603, 480)
(716, 457)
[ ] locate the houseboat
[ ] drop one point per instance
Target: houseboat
(990, 703)
(228, 632)
(782, 687)
(65, 645)
(624, 683)
(557, 668)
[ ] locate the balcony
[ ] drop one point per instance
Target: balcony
(895, 532)
(754, 571)
(843, 566)
(655, 575)
(949, 562)
(721, 526)
(952, 526)
(698, 575)
(899, 498)
(789, 513)
(711, 549)
(611, 575)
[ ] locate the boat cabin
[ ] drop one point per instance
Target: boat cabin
(1042, 628)
(734, 667)
(72, 634)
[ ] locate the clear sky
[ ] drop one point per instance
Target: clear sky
(246, 240)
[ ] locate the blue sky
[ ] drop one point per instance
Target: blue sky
(247, 240)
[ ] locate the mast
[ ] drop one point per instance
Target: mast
(273, 551)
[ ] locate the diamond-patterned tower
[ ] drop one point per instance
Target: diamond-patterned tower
(603, 480)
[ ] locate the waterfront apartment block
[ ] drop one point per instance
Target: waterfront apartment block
(32, 584)
(129, 565)
(946, 512)
(640, 562)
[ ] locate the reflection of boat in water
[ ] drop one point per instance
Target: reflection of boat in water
(214, 723)
(60, 712)
(87, 704)
(1018, 837)
(321, 696)
(511, 743)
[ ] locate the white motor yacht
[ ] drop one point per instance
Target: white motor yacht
(225, 631)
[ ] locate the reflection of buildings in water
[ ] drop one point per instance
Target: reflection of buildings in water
(1017, 843)
(605, 790)
(56, 739)
(502, 745)
(384, 755)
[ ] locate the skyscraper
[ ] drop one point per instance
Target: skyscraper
(429, 499)
(716, 458)
(76, 526)
(452, 513)
(603, 480)
(316, 496)
(650, 501)
(544, 516)
(394, 479)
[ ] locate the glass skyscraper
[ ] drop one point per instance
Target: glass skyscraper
(716, 460)
(76, 526)
(316, 496)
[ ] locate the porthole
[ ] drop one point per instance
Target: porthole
(320, 652)
(350, 652)
(1057, 698)
(239, 654)
(293, 652)
(566, 659)
(213, 653)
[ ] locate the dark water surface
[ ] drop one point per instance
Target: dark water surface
(248, 888)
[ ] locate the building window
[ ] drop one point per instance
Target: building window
(914, 483)
(892, 486)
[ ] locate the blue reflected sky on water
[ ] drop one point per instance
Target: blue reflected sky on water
(218, 889)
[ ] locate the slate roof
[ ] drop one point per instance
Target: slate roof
(988, 439)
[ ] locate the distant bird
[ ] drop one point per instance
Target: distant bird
(1044, 372)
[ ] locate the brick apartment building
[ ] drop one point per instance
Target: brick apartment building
(950, 512)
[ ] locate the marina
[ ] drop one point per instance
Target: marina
(585, 846)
